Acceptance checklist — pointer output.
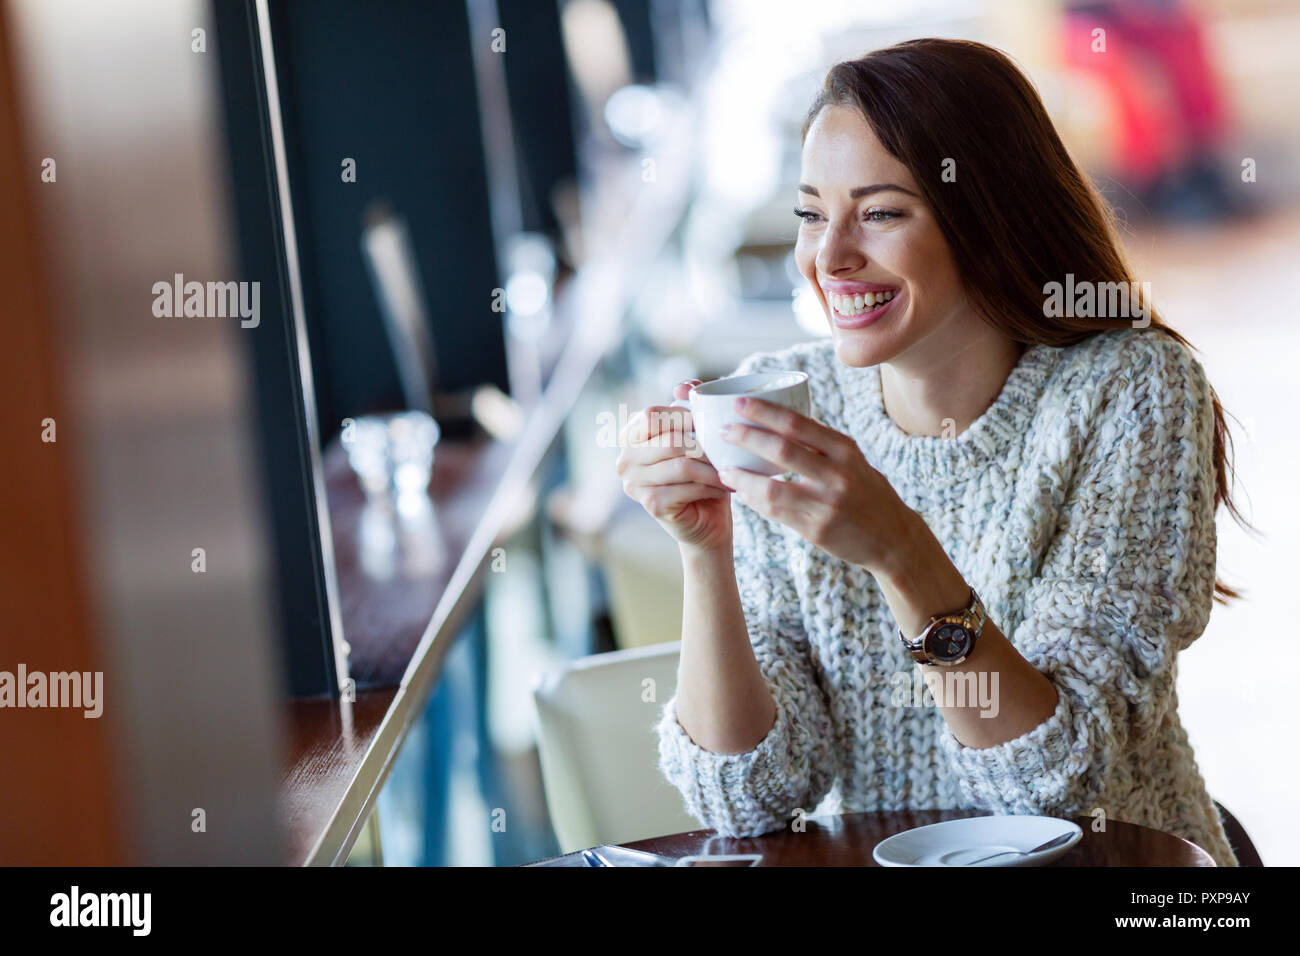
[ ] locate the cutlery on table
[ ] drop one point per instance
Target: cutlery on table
(1055, 841)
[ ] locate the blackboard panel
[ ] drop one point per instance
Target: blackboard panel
(390, 86)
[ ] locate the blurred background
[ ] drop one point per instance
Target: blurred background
(516, 222)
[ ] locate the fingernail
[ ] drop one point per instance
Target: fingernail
(741, 402)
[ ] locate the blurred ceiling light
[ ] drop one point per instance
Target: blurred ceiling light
(637, 115)
(526, 293)
(530, 263)
(596, 48)
(634, 115)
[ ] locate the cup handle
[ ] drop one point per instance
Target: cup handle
(679, 403)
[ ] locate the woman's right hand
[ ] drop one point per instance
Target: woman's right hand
(676, 485)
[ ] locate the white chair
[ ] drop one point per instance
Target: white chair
(643, 573)
(598, 749)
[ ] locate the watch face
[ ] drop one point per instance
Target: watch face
(948, 642)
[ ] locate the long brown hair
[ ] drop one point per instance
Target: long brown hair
(1025, 216)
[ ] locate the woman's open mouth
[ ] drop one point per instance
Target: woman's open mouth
(856, 311)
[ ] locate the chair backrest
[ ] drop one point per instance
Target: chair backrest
(1238, 838)
(598, 749)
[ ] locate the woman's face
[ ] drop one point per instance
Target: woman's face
(871, 249)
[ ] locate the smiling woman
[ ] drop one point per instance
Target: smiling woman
(945, 179)
(878, 259)
(1013, 499)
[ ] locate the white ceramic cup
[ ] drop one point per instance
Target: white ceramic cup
(711, 408)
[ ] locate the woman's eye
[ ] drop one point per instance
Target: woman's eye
(872, 215)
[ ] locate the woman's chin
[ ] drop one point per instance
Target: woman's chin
(858, 350)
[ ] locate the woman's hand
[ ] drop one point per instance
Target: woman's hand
(838, 502)
(665, 472)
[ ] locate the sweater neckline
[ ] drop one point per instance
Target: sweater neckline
(990, 435)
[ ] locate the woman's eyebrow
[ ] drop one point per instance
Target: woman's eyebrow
(859, 191)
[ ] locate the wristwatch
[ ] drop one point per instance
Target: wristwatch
(949, 638)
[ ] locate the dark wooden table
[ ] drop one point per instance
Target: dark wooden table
(386, 609)
(848, 840)
(399, 622)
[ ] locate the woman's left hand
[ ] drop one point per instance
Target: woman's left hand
(839, 503)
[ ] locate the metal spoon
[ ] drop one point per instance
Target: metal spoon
(1054, 842)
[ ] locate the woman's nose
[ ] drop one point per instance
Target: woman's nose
(840, 251)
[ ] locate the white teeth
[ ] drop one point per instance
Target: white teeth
(857, 304)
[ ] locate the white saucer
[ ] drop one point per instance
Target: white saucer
(954, 842)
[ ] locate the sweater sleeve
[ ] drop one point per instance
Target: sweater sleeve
(745, 794)
(1126, 583)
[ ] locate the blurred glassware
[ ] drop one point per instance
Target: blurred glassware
(401, 540)
(366, 442)
(392, 456)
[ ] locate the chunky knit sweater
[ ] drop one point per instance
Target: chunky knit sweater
(1080, 505)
